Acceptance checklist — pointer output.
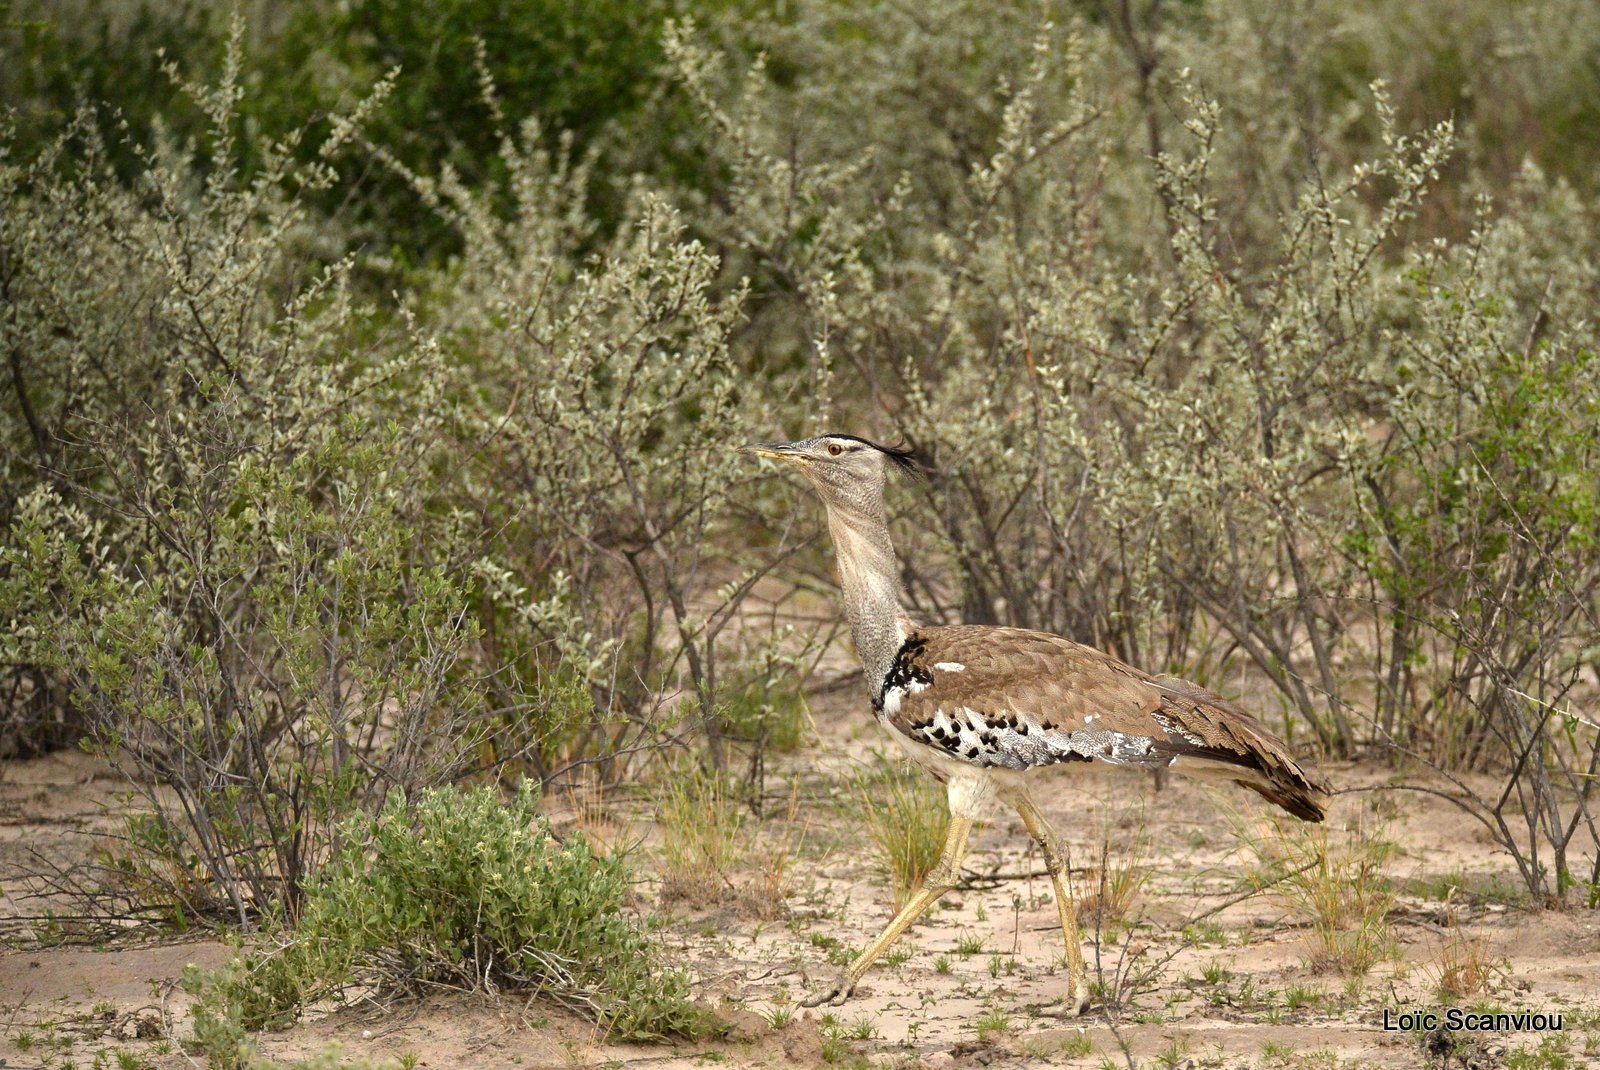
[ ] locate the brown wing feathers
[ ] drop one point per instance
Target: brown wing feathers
(1019, 699)
(1215, 729)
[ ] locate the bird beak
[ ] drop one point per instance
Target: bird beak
(782, 451)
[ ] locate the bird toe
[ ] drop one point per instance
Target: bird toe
(1071, 1006)
(1079, 1003)
(832, 994)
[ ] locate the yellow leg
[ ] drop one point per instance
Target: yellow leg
(1060, 876)
(939, 881)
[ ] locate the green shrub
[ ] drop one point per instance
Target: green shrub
(776, 720)
(589, 73)
(601, 400)
(221, 537)
(108, 55)
(280, 546)
(458, 889)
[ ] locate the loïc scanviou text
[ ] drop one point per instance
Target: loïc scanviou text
(1473, 1021)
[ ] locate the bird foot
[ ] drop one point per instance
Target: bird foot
(835, 993)
(1079, 1005)
(1079, 1002)
(1073, 1006)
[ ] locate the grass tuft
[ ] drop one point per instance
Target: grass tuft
(990, 1023)
(1461, 966)
(1113, 889)
(906, 817)
(1334, 881)
(702, 821)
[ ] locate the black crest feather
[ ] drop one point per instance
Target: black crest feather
(904, 456)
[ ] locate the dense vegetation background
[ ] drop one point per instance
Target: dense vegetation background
(372, 373)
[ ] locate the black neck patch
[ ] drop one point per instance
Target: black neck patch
(905, 671)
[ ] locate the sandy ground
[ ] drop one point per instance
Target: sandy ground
(1218, 982)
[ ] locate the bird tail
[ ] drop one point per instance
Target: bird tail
(1307, 801)
(1232, 745)
(1283, 783)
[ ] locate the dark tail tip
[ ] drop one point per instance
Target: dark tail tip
(1307, 805)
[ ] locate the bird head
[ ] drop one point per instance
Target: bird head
(847, 472)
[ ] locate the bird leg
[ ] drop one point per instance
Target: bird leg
(940, 880)
(1060, 876)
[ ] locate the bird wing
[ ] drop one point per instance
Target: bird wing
(1020, 699)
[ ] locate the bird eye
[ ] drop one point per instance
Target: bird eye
(834, 449)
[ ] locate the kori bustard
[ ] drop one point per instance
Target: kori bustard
(980, 707)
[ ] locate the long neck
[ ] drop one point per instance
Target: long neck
(871, 582)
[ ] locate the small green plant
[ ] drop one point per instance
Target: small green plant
(991, 1022)
(1078, 1047)
(1173, 1054)
(1551, 1053)
(1443, 887)
(1206, 933)
(1300, 996)
(898, 956)
(781, 1013)
(969, 944)
(837, 951)
(941, 964)
(1274, 1052)
(836, 1040)
(769, 717)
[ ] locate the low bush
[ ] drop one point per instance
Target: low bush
(457, 889)
(224, 545)
(281, 550)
